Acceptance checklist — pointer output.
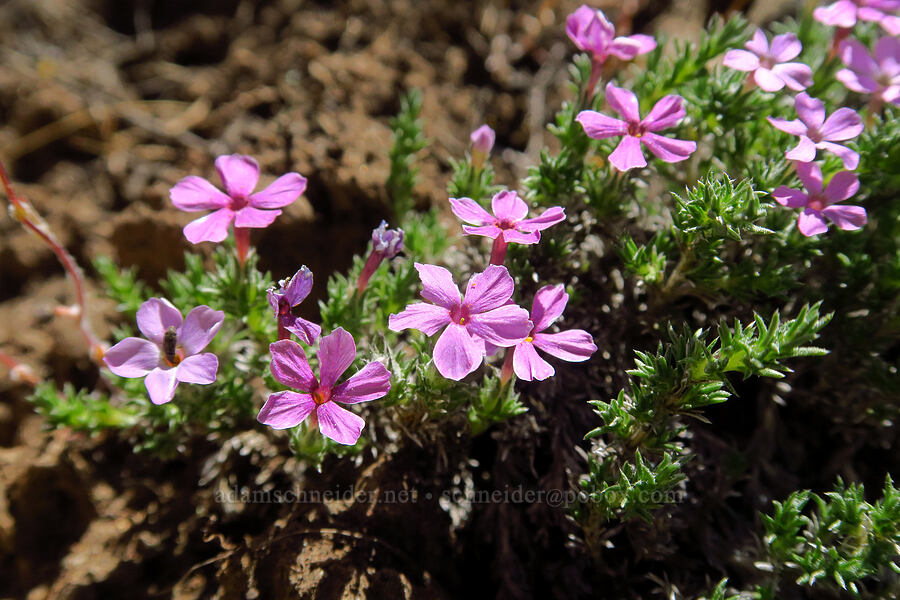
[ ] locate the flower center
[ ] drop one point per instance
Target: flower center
(529, 339)
(506, 224)
(238, 202)
(814, 134)
(320, 397)
(284, 307)
(171, 352)
(816, 203)
(460, 315)
(636, 129)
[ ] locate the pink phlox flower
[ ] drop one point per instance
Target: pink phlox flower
(817, 132)
(770, 65)
(591, 31)
(574, 345)
(387, 242)
(238, 204)
(669, 111)
(483, 139)
(845, 14)
(508, 219)
(289, 293)
(819, 204)
(877, 75)
(319, 398)
(482, 315)
(172, 351)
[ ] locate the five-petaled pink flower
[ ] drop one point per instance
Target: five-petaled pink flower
(507, 224)
(591, 31)
(845, 13)
(171, 352)
(482, 315)
(819, 204)
(817, 132)
(238, 205)
(627, 155)
(770, 66)
(289, 293)
(878, 76)
(318, 397)
(574, 345)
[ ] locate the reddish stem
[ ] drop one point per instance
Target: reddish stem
(506, 371)
(498, 252)
(24, 212)
(374, 259)
(242, 243)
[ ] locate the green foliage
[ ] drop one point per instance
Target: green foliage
(122, 285)
(471, 181)
(495, 403)
(79, 410)
(409, 139)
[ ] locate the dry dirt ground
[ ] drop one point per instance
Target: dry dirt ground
(107, 103)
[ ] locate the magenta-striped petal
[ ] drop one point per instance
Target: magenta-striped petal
(598, 126)
(211, 228)
(307, 331)
(299, 286)
(804, 151)
(155, 316)
(337, 350)
(200, 327)
(574, 345)
(669, 149)
(456, 353)
(507, 206)
(741, 60)
(548, 305)
(239, 174)
(489, 289)
(132, 357)
(546, 219)
(427, 318)
(281, 192)
(842, 186)
(438, 286)
(490, 231)
(665, 113)
(371, 382)
(849, 218)
(623, 102)
(627, 154)
(339, 424)
(521, 237)
(195, 193)
(470, 211)
(528, 365)
(759, 43)
(284, 410)
(161, 384)
(290, 367)
(504, 326)
(200, 368)
(254, 217)
(796, 76)
(790, 197)
(811, 223)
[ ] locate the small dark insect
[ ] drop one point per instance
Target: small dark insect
(169, 339)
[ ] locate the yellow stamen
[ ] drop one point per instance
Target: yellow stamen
(529, 339)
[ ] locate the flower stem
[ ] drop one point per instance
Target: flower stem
(506, 371)
(242, 243)
(374, 259)
(25, 214)
(498, 252)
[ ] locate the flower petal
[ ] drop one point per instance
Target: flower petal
(891, 24)
(854, 83)
(195, 193)
(759, 44)
(796, 76)
(767, 80)
(299, 286)
(811, 176)
(598, 126)
(132, 357)
(842, 186)
(574, 345)
(623, 102)
(254, 217)
(507, 206)
(339, 424)
(793, 127)
(626, 48)
(528, 365)
(211, 228)
(491, 231)
(427, 318)
(811, 223)
(521, 237)
(887, 53)
(790, 197)
(843, 124)
(548, 218)
(504, 326)
(239, 174)
(741, 60)
(627, 154)
(849, 157)
(337, 350)
(438, 286)
(456, 353)
(548, 305)
(804, 151)
(849, 218)
(371, 382)
(155, 316)
(284, 410)
(281, 192)
(489, 289)
(307, 331)
(669, 149)
(200, 368)
(470, 211)
(200, 327)
(810, 110)
(785, 47)
(161, 384)
(290, 367)
(665, 113)
(840, 14)
(857, 57)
